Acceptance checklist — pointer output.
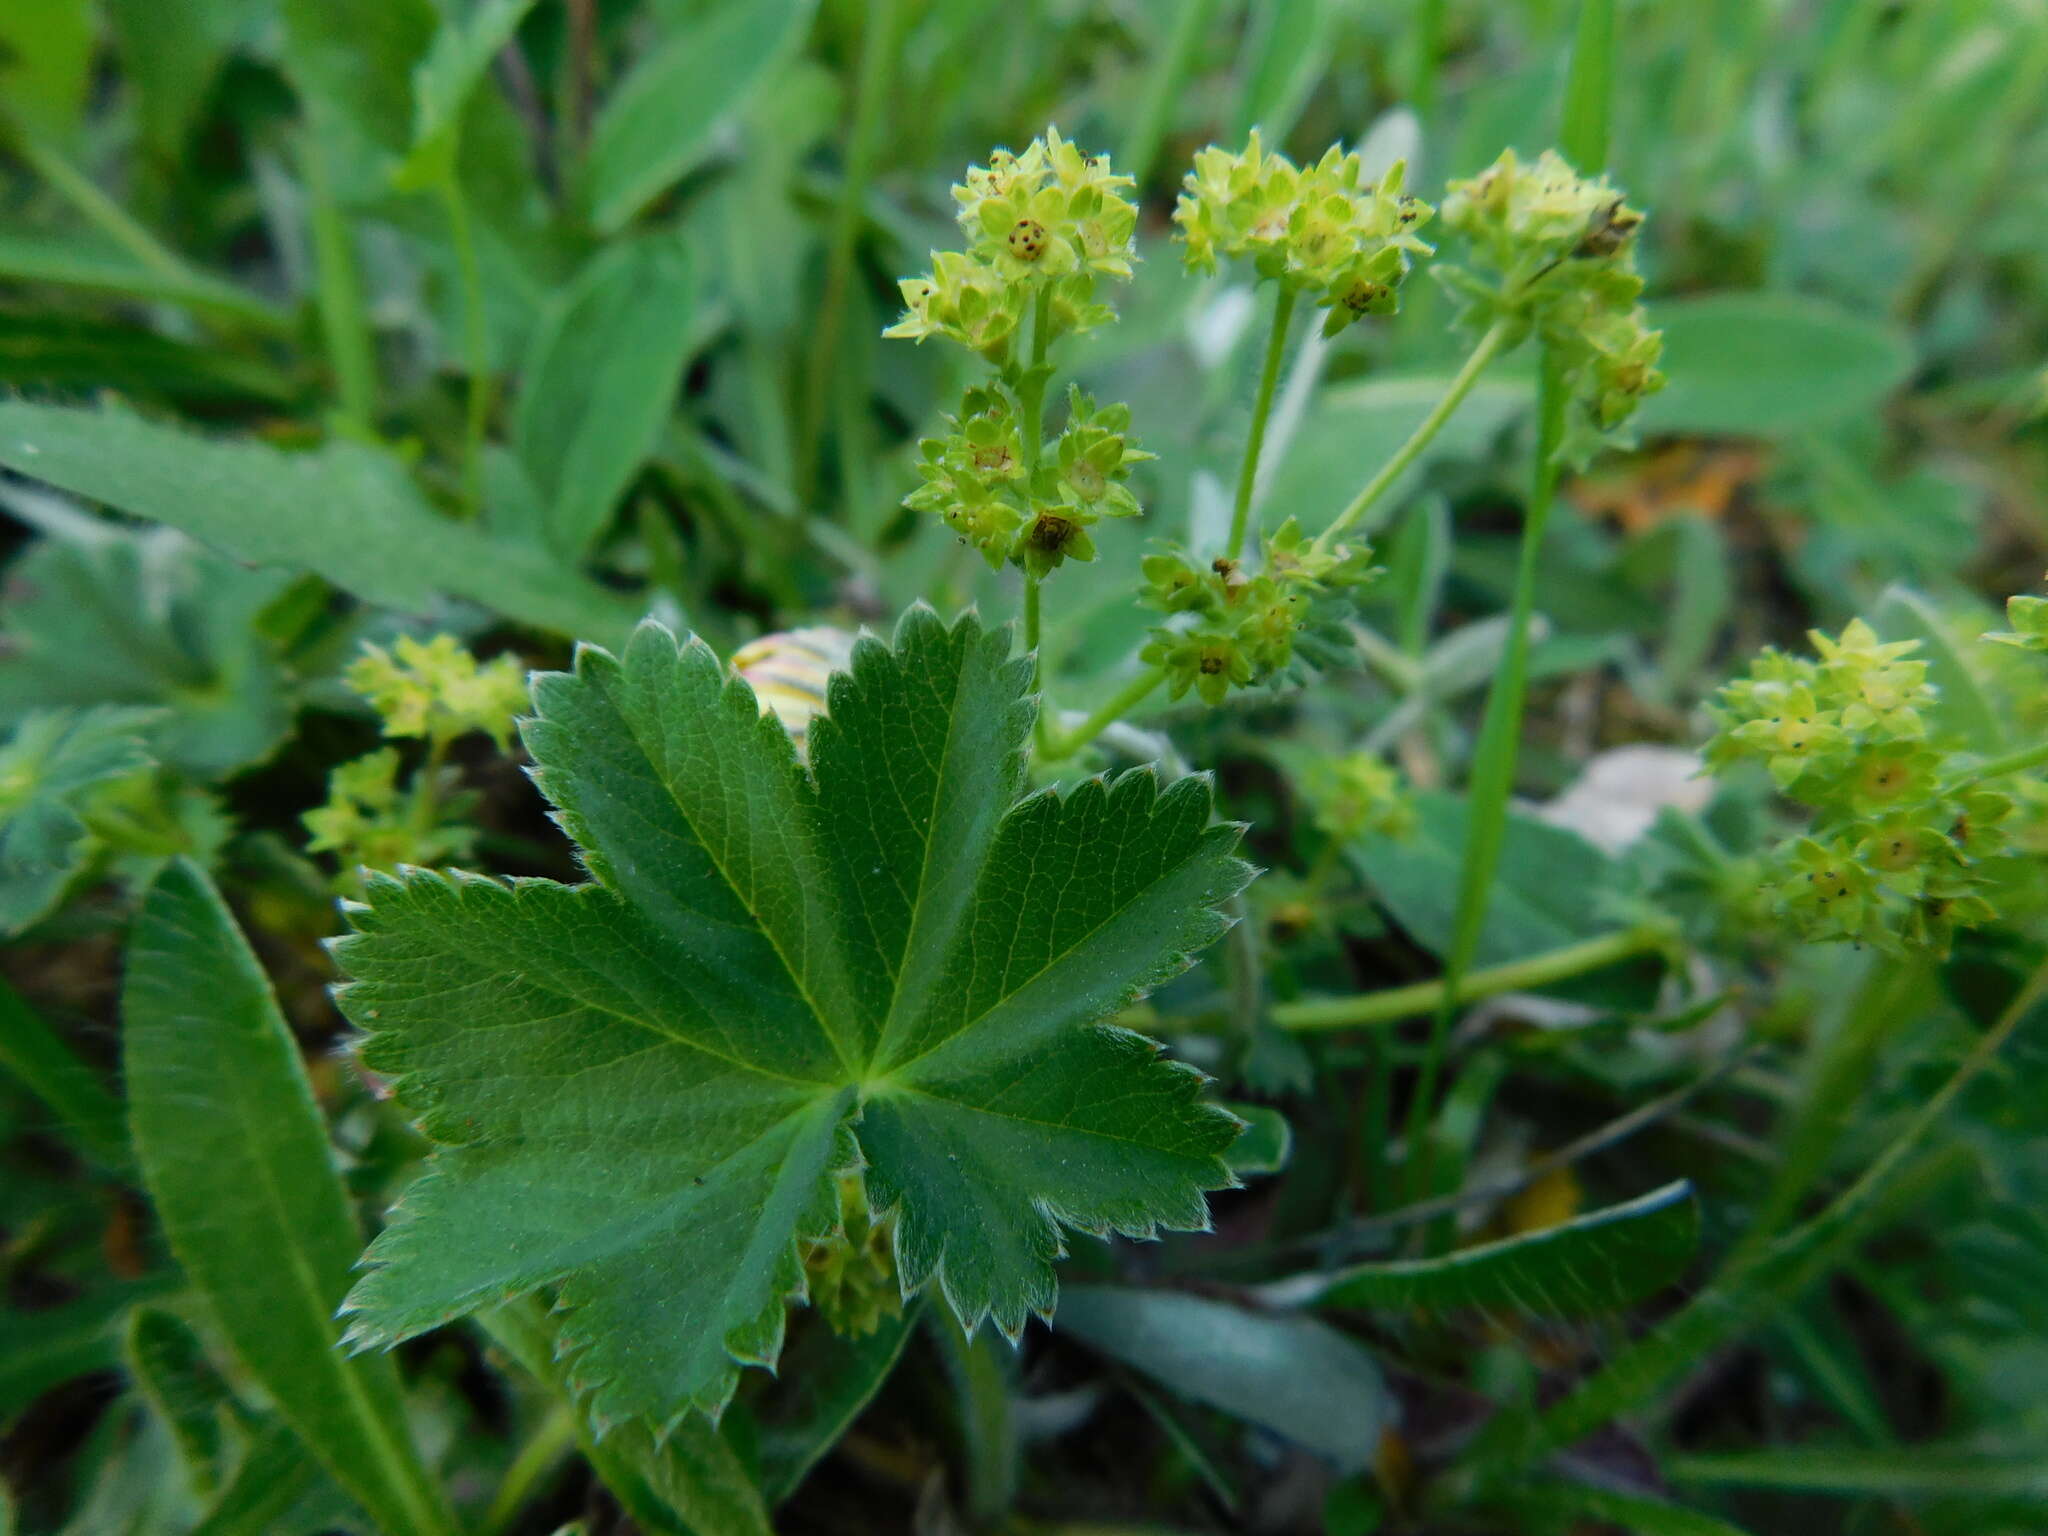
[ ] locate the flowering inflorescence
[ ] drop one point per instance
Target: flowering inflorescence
(1040, 225)
(1556, 253)
(1356, 794)
(376, 818)
(1323, 230)
(1243, 626)
(976, 479)
(1896, 856)
(438, 690)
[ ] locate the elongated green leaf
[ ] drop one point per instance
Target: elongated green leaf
(346, 512)
(68, 353)
(1296, 1376)
(169, 1364)
(68, 261)
(645, 1085)
(236, 1159)
(600, 382)
(1598, 1262)
(1589, 89)
(1769, 364)
(1926, 1471)
(1964, 707)
(660, 122)
(454, 66)
(352, 63)
(30, 1049)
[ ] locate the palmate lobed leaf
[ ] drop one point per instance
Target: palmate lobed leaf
(644, 1085)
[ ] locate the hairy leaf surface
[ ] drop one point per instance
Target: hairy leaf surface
(645, 1085)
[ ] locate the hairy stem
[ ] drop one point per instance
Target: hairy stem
(1056, 745)
(1269, 376)
(1491, 345)
(1998, 767)
(1493, 772)
(1394, 1004)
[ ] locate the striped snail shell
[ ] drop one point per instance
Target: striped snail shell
(787, 671)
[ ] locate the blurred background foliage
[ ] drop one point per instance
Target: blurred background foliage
(518, 320)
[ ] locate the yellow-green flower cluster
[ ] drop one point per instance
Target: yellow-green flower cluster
(1045, 222)
(438, 690)
(369, 820)
(851, 1274)
(1243, 627)
(1324, 230)
(1356, 794)
(435, 689)
(1896, 855)
(974, 478)
(1556, 253)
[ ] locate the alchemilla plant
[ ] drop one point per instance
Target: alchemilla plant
(1109, 884)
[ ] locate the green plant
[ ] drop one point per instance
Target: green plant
(770, 1066)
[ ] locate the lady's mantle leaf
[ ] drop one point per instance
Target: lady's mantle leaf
(645, 1084)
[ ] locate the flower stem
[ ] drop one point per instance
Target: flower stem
(1491, 345)
(1394, 1004)
(1053, 746)
(1032, 401)
(1998, 767)
(542, 1453)
(1248, 472)
(1492, 778)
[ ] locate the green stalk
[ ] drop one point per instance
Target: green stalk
(1055, 746)
(1394, 1004)
(871, 94)
(1248, 472)
(521, 1328)
(1584, 128)
(1491, 345)
(541, 1454)
(1838, 1068)
(1747, 1290)
(1998, 767)
(1032, 401)
(1493, 772)
(343, 323)
(1141, 147)
(112, 220)
(476, 340)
